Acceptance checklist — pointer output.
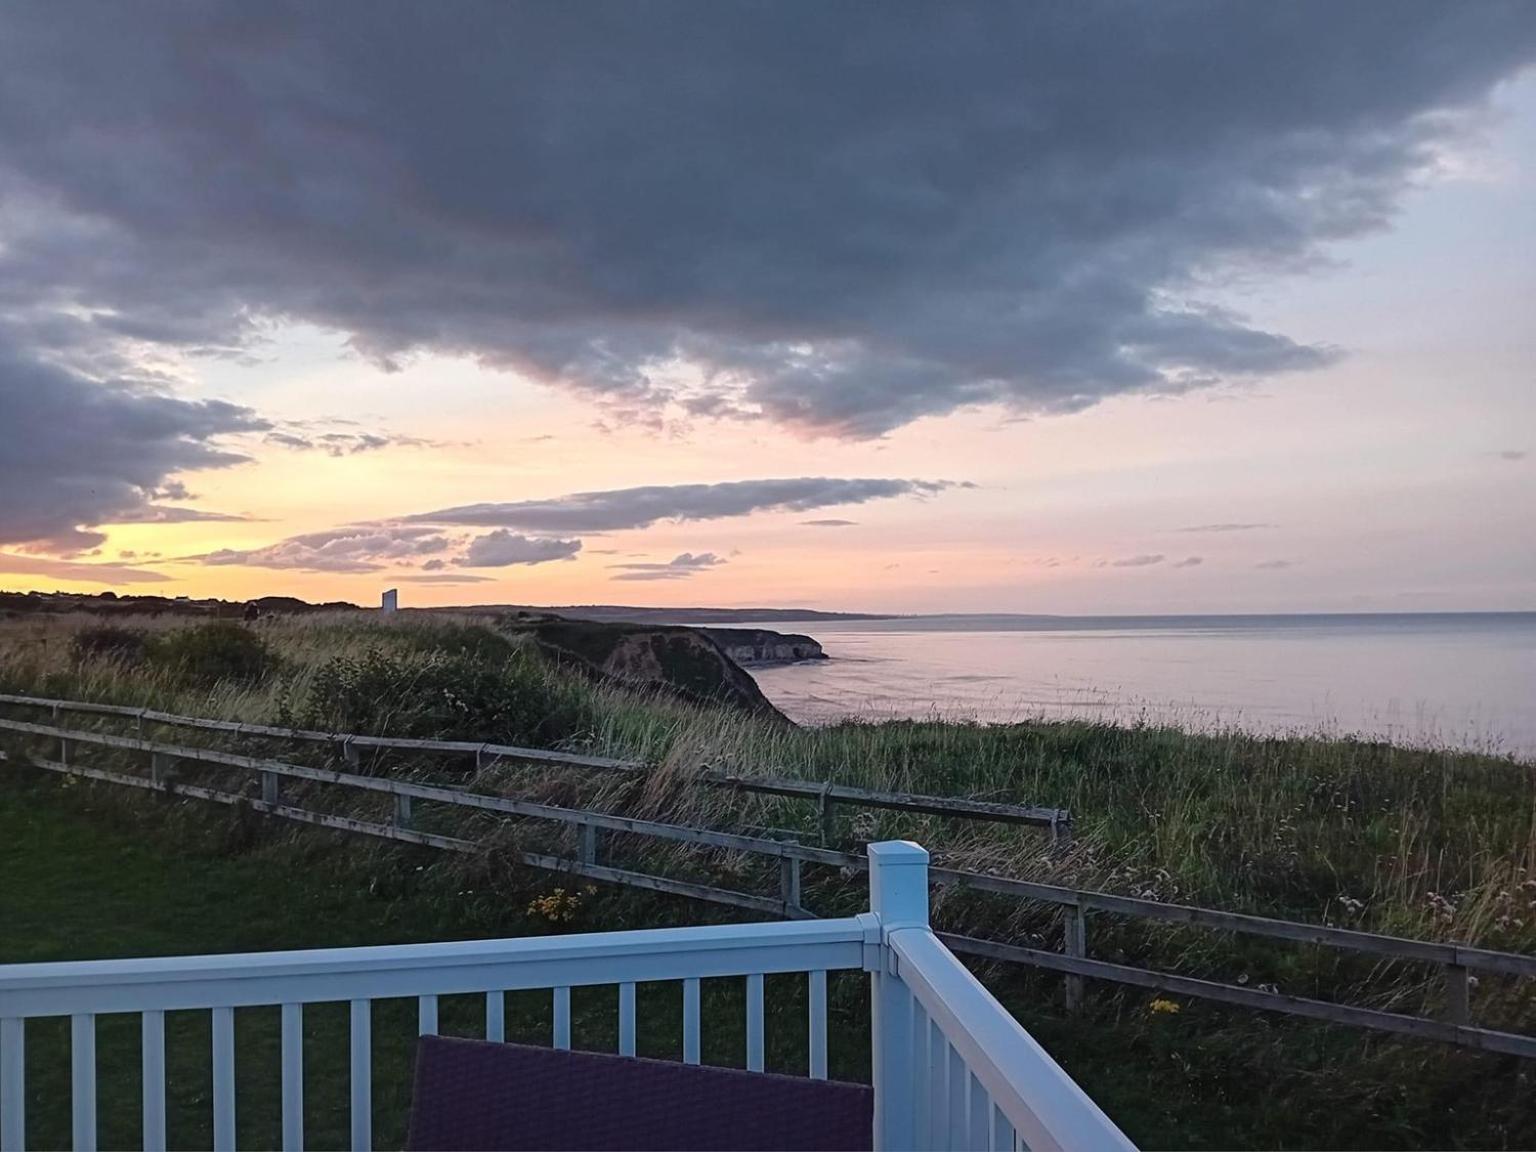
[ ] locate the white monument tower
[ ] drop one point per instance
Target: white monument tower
(391, 601)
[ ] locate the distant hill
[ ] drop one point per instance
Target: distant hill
(113, 604)
(627, 614)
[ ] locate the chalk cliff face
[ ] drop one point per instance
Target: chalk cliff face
(749, 646)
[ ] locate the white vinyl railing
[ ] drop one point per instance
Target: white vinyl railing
(952, 1069)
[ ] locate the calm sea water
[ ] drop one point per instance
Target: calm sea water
(1462, 680)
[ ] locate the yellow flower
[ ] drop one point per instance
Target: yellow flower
(558, 905)
(1163, 1007)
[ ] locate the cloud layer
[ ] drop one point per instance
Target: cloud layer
(501, 549)
(107, 575)
(834, 218)
(76, 452)
(428, 540)
(624, 508)
(362, 548)
(678, 568)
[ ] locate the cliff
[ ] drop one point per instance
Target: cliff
(683, 661)
(749, 646)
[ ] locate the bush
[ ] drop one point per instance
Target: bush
(209, 653)
(464, 696)
(126, 646)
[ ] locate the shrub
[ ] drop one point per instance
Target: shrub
(209, 653)
(126, 646)
(446, 696)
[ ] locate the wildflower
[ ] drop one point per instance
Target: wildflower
(559, 905)
(1163, 1007)
(1441, 908)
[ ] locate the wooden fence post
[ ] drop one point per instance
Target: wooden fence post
(1458, 994)
(789, 881)
(1074, 943)
(269, 788)
(826, 818)
(403, 813)
(1061, 832)
(349, 753)
(160, 767)
(588, 843)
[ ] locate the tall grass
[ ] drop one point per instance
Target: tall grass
(1423, 843)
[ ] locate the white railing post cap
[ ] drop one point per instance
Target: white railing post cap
(898, 883)
(897, 852)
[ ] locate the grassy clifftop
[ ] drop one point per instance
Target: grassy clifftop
(1430, 844)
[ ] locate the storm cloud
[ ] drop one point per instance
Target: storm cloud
(622, 508)
(841, 218)
(77, 452)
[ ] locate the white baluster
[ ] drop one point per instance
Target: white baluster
(152, 1045)
(691, 1044)
(293, 1077)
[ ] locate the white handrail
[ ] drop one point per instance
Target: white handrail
(951, 1067)
(322, 974)
(1045, 1106)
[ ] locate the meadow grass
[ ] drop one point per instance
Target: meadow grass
(1434, 844)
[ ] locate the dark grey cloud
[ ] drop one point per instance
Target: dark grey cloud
(1512, 454)
(1275, 565)
(829, 523)
(846, 217)
(680, 567)
(1190, 562)
(78, 452)
(1145, 560)
(106, 575)
(360, 548)
(501, 549)
(1239, 527)
(622, 508)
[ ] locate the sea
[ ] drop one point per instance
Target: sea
(1454, 680)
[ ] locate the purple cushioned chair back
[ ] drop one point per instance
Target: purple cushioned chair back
(471, 1094)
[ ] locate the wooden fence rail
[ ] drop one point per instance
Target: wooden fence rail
(1456, 960)
(1057, 820)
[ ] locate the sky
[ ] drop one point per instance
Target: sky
(904, 307)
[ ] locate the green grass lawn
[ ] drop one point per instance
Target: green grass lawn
(87, 878)
(88, 873)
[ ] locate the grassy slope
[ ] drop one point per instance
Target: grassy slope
(1432, 844)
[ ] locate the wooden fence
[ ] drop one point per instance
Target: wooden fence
(1457, 961)
(827, 797)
